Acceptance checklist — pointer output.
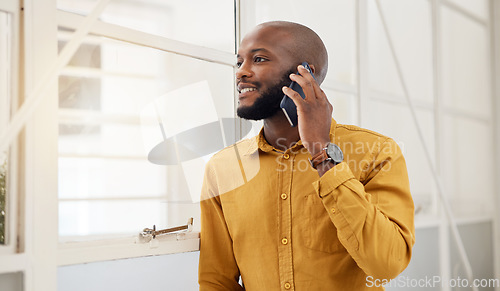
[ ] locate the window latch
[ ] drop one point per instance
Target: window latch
(152, 233)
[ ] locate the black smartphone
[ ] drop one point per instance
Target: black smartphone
(287, 104)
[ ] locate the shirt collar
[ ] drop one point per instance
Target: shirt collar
(259, 141)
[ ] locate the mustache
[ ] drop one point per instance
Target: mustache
(244, 80)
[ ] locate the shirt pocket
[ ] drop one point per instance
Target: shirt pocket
(320, 233)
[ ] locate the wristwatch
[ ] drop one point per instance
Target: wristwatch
(331, 153)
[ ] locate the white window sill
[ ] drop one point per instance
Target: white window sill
(71, 253)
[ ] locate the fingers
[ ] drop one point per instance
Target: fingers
(308, 84)
(297, 99)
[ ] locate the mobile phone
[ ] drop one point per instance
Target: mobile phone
(287, 104)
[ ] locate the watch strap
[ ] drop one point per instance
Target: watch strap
(319, 158)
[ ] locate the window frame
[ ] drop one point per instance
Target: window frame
(120, 247)
(13, 159)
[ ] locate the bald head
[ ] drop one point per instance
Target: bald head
(304, 45)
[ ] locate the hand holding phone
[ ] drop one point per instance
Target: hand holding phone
(287, 104)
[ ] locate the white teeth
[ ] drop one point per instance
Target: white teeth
(247, 90)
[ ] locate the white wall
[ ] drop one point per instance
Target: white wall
(165, 273)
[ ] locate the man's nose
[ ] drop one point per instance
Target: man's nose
(244, 71)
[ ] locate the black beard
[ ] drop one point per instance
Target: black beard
(268, 104)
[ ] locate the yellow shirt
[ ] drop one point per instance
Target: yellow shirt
(269, 217)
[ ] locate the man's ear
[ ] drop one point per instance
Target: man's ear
(313, 69)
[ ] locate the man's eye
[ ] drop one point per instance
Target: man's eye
(238, 64)
(259, 59)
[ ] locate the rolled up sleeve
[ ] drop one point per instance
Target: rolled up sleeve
(374, 216)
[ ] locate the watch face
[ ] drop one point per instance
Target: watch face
(335, 153)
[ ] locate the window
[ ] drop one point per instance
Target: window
(5, 82)
(105, 177)
(184, 21)
(139, 79)
(14, 264)
(6, 66)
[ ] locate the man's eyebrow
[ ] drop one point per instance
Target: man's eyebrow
(255, 50)
(258, 49)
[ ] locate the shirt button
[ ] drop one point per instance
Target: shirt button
(286, 156)
(284, 196)
(284, 240)
(288, 285)
(333, 210)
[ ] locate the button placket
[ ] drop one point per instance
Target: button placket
(285, 215)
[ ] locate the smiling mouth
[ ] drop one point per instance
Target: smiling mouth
(245, 90)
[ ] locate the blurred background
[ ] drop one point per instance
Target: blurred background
(76, 186)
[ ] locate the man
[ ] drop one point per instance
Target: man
(339, 223)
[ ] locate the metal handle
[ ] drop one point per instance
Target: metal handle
(152, 233)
